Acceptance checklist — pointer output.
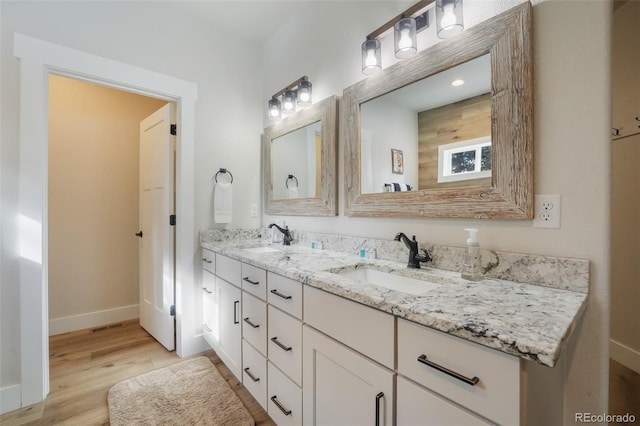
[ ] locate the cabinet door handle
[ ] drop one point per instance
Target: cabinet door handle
(235, 312)
(205, 260)
(283, 347)
(473, 381)
(206, 290)
(286, 412)
(378, 398)
(248, 321)
(250, 281)
(277, 293)
(206, 327)
(251, 376)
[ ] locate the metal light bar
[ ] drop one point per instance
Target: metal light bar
(291, 86)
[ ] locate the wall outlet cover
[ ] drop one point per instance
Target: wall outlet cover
(546, 211)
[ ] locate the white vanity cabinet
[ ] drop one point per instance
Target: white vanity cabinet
(482, 380)
(230, 343)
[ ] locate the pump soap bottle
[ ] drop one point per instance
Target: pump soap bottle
(471, 264)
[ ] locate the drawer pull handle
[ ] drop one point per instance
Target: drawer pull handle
(277, 293)
(283, 347)
(207, 290)
(235, 312)
(207, 328)
(247, 279)
(473, 381)
(248, 321)
(205, 260)
(286, 412)
(251, 376)
(378, 398)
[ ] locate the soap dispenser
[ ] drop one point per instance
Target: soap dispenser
(471, 264)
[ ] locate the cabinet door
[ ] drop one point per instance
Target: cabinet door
(230, 347)
(418, 406)
(342, 387)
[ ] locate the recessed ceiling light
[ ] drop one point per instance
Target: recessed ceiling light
(458, 82)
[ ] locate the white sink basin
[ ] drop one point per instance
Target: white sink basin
(389, 280)
(262, 249)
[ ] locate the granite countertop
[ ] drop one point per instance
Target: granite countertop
(529, 321)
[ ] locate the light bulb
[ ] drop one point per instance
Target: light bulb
(405, 39)
(273, 112)
(304, 96)
(448, 18)
(288, 105)
(371, 60)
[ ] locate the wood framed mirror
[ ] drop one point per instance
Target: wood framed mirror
(504, 42)
(300, 162)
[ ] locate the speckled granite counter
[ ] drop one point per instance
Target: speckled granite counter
(529, 321)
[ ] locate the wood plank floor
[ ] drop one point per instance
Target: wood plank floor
(85, 364)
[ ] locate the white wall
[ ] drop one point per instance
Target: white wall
(94, 134)
(572, 149)
(159, 38)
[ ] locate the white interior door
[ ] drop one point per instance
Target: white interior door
(157, 278)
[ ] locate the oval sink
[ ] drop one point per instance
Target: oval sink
(389, 280)
(262, 249)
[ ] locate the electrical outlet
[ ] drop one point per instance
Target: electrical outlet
(253, 211)
(546, 211)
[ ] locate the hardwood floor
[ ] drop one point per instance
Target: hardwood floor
(85, 364)
(624, 390)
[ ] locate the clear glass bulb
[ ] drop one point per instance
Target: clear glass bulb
(371, 58)
(304, 96)
(273, 112)
(405, 39)
(448, 18)
(288, 105)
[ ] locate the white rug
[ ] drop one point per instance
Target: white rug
(191, 392)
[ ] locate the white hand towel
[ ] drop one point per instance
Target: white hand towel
(222, 202)
(292, 192)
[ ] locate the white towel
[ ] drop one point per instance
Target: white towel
(292, 192)
(222, 202)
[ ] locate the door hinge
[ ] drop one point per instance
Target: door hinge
(174, 129)
(172, 220)
(172, 310)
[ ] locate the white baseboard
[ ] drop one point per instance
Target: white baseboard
(625, 355)
(92, 319)
(10, 398)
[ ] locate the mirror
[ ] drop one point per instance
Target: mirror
(300, 162)
(468, 156)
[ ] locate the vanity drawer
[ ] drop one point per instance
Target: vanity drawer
(254, 373)
(254, 280)
(285, 343)
(284, 398)
(228, 269)
(254, 322)
(209, 260)
(360, 327)
(285, 293)
(496, 395)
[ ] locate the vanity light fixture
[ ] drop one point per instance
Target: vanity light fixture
(297, 93)
(406, 26)
(449, 18)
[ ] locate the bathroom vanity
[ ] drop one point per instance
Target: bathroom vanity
(327, 337)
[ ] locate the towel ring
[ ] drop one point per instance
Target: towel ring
(291, 177)
(223, 171)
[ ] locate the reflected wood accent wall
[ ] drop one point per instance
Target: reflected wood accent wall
(463, 120)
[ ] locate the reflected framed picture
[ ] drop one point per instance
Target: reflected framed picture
(397, 162)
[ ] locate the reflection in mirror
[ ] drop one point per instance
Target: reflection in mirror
(467, 166)
(437, 123)
(296, 159)
(300, 162)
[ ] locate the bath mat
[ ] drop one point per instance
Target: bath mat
(191, 392)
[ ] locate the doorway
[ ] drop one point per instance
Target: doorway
(93, 203)
(39, 59)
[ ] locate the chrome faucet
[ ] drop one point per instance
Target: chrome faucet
(412, 245)
(286, 234)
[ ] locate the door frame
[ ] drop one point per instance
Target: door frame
(37, 60)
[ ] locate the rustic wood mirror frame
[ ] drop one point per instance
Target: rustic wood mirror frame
(326, 204)
(508, 38)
